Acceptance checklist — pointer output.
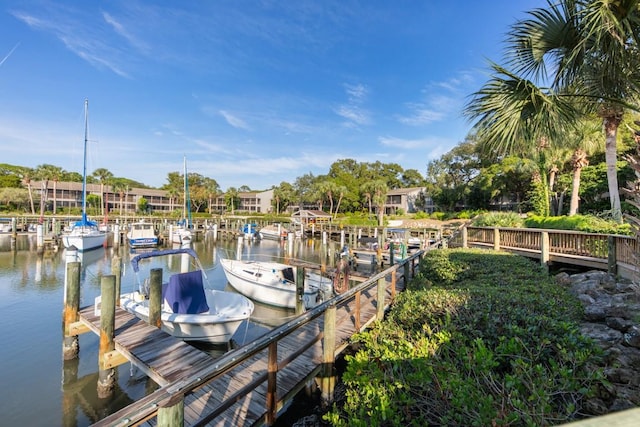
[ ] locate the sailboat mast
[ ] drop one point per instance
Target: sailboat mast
(84, 161)
(184, 188)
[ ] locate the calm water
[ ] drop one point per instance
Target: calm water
(38, 387)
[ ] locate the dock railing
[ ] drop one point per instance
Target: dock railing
(613, 253)
(380, 291)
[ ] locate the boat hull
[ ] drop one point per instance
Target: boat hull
(262, 283)
(226, 313)
(84, 240)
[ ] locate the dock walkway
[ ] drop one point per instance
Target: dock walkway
(250, 385)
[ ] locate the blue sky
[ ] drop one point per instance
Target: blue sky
(251, 92)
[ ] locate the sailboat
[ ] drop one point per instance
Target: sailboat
(181, 233)
(84, 235)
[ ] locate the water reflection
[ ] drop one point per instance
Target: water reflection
(32, 295)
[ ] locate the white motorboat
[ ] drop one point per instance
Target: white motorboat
(273, 232)
(274, 283)
(84, 234)
(142, 234)
(189, 311)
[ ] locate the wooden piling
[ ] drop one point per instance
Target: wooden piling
(272, 384)
(300, 273)
(328, 379)
(155, 297)
(70, 346)
(116, 270)
(612, 264)
(106, 375)
(171, 414)
(381, 290)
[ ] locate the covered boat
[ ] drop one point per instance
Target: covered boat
(189, 310)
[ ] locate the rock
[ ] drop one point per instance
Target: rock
(632, 336)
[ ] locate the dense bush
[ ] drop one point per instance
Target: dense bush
(499, 219)
(478, 339)
(584, 223)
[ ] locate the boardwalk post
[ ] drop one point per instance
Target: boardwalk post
(393, 284)
(116, 270)
(328, 380)
(544, 249)
(465, 237)
(407, 272)
(272, 384)
(155, 297)
(381, 290)
(612, 257)
(70, 346)
(300, 273)
(496, 239)
(106, 376)
(172, 414)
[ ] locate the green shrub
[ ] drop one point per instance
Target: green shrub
(584, 223)
(499, 219)
(478, 338)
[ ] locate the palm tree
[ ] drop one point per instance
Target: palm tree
(590, 48)
(46, 172)
(231, 199)
(379, 189)
(341, 190)
(103, 175)
(27, 175)
(515, 116)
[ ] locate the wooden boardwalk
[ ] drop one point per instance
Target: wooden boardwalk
(249, 385)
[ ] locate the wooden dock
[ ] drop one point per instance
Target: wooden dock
(252, 384)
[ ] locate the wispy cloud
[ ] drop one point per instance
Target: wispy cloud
(120, 29)
(420, 115)
(233, 120)
(353, 111)
(81, 39)
(407, 144)
(355, 115)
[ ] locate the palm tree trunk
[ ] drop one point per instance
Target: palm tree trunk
(575, 191)
(611, 130)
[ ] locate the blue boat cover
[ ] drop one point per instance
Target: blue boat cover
(185, 293)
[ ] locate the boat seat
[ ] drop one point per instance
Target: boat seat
(184, 293)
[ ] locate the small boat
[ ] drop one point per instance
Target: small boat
(273, 232)
(189, 310)
(142, 234)
(274, 283)
(249, 231)
(84, 234)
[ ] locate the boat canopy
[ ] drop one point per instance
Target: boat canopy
(84, 222)
(144, 255)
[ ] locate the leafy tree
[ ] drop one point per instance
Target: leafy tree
(304, 187)
(412, 178)
(283, 196)
(449, 178)
(143, 205)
